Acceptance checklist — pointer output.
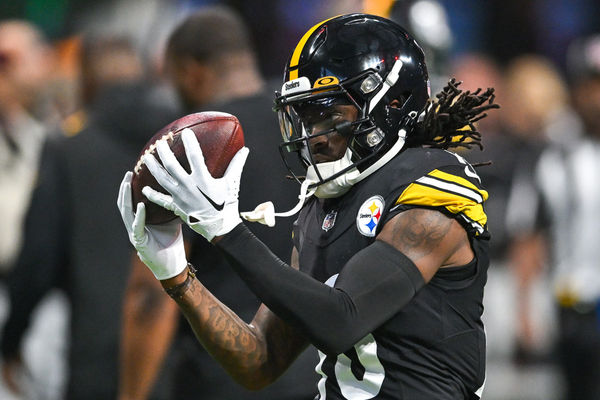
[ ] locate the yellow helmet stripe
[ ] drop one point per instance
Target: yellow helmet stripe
(299, 47)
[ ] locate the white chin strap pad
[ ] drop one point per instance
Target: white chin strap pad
(335, 187)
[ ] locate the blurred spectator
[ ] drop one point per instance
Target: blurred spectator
(428, 21)
(537, 112)
(28, 63)
(479, 71)
(513, 141)
(71, 237)
(558, 226)
(209, 59)
(25, 67)
(537, 101)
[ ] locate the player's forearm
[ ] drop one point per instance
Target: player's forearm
(332, 318)
(142, 354)
(146, 309)
(239, 347)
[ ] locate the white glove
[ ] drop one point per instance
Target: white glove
(208, 205)
(160, 247)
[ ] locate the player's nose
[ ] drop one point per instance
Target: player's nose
(318, 143)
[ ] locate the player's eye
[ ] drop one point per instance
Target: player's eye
(324, 120)
(327, 123)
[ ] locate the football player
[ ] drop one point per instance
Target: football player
(390, 246)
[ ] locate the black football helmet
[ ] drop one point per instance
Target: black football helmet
(361, 60)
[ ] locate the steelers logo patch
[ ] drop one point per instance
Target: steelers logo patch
(369, 215)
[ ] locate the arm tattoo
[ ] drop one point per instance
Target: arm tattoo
(253, 354)
(224, 335)
(419, 231)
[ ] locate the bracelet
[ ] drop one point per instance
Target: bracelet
(176, 292)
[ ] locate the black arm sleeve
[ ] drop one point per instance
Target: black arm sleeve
(42, 256)
(365, 295)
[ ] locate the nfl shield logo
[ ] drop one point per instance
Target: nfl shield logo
(329, 221)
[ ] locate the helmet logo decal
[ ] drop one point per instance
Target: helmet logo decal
(326, 81)
(295, 85)
(369, 215)
(292, 85)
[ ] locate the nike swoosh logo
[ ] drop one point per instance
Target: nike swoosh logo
(217, 207)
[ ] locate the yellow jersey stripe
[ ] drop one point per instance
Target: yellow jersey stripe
(416, 194)
(436, 173)
(298, 50)
(450, 187)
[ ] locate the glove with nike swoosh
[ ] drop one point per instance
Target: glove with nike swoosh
(208, 205)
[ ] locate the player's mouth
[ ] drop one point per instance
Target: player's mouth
(321, 158)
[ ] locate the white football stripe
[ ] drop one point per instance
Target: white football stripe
(471, 194)
(474, 224)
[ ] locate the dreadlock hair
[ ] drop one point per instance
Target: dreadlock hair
(449, 121)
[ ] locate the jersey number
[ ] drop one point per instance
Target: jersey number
(358, 372)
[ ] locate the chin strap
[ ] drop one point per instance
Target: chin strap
(391, 153)
(390, 80)
(265, 212)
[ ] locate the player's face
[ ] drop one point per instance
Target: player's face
(317, 120)
(181, 76)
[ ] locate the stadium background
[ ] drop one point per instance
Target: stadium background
(520, 44)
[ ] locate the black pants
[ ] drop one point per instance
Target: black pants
(579, 352)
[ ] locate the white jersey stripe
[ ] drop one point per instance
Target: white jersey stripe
(451, 187)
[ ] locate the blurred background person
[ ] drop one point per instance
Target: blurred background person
(477, 70)
(429, 24)
(559, 231)
(71, 217)
(210, 60)
(537, 99)
(514, 139)
(26, 66)
(27, 72)
(539, 114)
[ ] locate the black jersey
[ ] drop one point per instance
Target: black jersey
(434, 348)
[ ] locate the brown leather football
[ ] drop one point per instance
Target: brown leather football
(220, 136)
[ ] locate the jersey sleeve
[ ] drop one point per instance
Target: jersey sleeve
(453, 189)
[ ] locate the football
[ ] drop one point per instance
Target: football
(220, 136)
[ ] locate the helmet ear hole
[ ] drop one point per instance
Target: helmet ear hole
(396, 103)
